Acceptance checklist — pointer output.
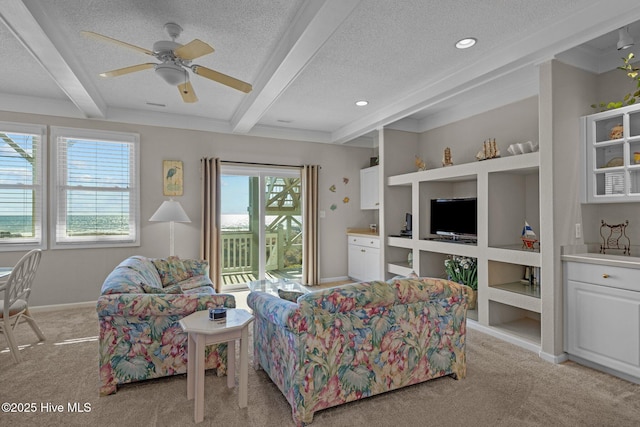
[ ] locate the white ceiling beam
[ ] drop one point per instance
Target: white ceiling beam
(26, 27)
(314, 24)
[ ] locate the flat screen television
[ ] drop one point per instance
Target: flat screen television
(455, 217)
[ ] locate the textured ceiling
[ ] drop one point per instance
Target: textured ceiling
(308, 61)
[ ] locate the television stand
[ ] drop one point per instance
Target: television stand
(453, 239)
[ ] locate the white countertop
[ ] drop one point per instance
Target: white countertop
(362, 232)
(604, 259)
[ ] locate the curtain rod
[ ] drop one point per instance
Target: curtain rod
(260, 164)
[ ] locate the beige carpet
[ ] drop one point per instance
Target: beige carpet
(505, 386)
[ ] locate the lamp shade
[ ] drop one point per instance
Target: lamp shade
(170, 211)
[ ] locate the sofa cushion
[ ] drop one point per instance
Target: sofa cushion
(201, 290)
(349, 297)
(196, 267)
(173, 289)
(195, 282)
(123, 280)
(171, 270)
(289, 295)
(145, 267)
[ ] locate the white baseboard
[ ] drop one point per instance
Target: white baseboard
(334, 279)
(58, 307)
(553, 358)
(599, 367)
(527, 345)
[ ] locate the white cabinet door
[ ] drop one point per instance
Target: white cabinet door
(369, 192)
(364, 258)
(371, 264)
(603, 325)
(356, 262)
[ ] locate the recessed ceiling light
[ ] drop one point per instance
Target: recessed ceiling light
(466, 43)
(362, 103)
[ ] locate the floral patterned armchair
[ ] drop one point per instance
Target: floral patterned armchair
(346, 343)
(138, 312)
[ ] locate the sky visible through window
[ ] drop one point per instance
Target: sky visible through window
(95, 171)
(235, 194)
(15, 170)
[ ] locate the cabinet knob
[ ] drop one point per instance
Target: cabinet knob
(605, 276)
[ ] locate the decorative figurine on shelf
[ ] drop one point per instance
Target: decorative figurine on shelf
(529, 238)
(615, 237)
(446, 159)
(420, 164)
(616, 132)
(489, 150)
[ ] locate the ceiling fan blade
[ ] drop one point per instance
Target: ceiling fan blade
(127, 70)
(192, 50)
(118, 42)
(187, 93)
(221, 78)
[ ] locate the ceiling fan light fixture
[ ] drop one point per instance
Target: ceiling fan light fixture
(624, 39)
(172, 73)
(466, 43)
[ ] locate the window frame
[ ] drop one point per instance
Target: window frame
(58, 184)
(39, 242)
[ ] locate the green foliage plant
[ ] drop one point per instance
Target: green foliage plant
(462, 270)
(630, 98)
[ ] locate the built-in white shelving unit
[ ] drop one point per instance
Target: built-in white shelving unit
(507, 191)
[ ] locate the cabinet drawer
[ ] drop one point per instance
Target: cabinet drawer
(604, 275)
(370, 242)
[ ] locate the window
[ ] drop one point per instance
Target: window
(22, 151)
(95, 200)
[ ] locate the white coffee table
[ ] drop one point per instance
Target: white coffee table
(203, 332)
(272, 286)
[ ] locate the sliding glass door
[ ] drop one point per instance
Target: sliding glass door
(261, 224)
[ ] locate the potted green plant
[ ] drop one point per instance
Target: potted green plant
(630, 98)
(463, 270)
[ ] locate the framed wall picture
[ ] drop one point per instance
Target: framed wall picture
(172, 178)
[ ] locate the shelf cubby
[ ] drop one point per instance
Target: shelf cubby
(506, 286)
(513, 198)
(524, 324)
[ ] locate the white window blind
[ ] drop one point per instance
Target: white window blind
(22, 150)
(96, 194)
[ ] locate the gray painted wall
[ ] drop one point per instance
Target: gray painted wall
(71, 275)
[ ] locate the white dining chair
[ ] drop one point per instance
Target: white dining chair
(15, 305)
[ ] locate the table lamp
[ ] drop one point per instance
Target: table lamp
(170, 211)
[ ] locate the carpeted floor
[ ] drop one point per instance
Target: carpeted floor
(505, 386)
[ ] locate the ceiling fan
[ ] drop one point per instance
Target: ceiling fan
(174, 59)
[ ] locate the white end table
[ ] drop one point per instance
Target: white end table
(203, 332)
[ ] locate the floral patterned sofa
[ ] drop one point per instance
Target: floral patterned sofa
(341, 344)
(140, 305)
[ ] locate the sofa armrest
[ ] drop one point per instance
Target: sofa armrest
(146, 305)
(275, 310)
